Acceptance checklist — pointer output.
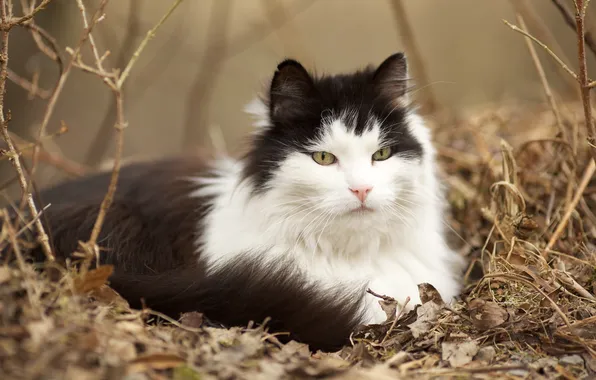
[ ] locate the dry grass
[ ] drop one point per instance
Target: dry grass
(524, 314)
(523, 211)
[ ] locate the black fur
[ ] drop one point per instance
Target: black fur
(298, 101)
(149, 236)
(248, 290)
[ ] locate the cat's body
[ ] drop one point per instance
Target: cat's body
(338, 193)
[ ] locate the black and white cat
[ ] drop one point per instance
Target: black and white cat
(337, 193)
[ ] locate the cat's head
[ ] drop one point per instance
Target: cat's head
(344, 145)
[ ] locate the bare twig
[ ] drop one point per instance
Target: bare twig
(115, 83)
(580, 15)
(14, 21)
(429, 103)
(102, 137)
(145, 41)
(546, 48)
(570, 20)
(39, 36)
(543, 33)
(59, 86)
(13, 152)
(30, 86)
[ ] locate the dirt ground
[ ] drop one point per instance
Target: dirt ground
(526, 313)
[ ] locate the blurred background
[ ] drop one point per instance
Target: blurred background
(212, 56)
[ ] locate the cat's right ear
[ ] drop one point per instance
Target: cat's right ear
(291, 89)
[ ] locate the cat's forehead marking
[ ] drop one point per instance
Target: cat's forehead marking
(340, 137)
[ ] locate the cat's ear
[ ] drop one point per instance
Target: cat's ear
(291, 89)
(391, 78)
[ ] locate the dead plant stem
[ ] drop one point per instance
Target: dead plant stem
(580, 15)
(14, 154)
(546, 48)
(587, 176)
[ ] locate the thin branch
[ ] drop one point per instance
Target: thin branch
(570, 20)
(544, 34)
(546, 48)
(116, 85)
(39, 35)
(12, 150)
(7, 24)
(580, 13)
(430, 103)
(148, 37)
(102, 137)
(30, 86)
(60, 85)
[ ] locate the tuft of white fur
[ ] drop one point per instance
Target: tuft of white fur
(305, 217)
(259, 111)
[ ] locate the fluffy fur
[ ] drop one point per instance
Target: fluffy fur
(280, 200)
(274, 233)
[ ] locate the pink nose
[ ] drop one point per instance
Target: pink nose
(361, 192)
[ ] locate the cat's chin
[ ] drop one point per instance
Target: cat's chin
(362, 209)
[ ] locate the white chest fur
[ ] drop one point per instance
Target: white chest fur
(389, 254)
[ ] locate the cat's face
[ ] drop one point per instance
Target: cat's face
(340, 146)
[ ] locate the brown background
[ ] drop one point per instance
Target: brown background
(211, 56)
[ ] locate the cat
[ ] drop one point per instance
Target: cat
(337, 193)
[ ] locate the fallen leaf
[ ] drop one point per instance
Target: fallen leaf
(93, 279)
(486, 314)
(154, 361)
(486, 354)
(429, 293)
(389, 306)
(459, 354)
(109, 296)
(427, 316)
(192, 319)
(361, 354)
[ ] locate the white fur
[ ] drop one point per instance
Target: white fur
(305, 217)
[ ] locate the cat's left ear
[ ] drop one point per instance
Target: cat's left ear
(291, 90)
(391, 78)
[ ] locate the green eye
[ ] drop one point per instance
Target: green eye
(323, 158)
(382, 154)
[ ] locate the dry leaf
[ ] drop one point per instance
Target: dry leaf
(429, 293)
(109, 296)
(486, 314)
(192, 319)
(427, 316)
(154, 361)
(459, 354)
(389, 306)
(93, 279)
(486, 354)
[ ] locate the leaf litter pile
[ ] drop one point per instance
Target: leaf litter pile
(528, 309)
